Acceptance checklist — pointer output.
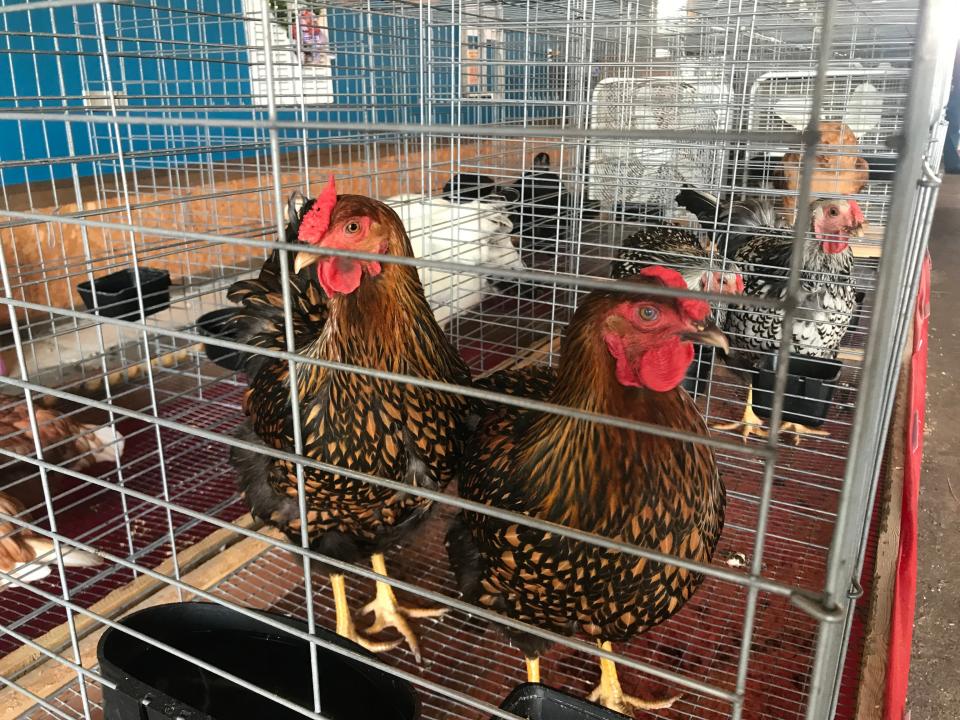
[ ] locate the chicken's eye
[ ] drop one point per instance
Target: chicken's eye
(352, 227)
(833, 212)
(648, 313)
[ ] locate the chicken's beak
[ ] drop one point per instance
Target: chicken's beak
(303, 260)
(859, 231)
(707, 333)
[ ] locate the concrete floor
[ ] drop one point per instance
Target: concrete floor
(934, 692)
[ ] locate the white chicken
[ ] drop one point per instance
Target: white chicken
(474, 232)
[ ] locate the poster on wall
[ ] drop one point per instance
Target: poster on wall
(302, 57)
(472, 69)
(311, 27)
(479, 46)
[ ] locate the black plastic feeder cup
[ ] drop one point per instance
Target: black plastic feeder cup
(810, 386)
(214, 324)
(116, 293)
(153, 684)
(539, 702)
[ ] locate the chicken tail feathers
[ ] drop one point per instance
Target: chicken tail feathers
(260, 319)
(753, 213)
(702, 204)
(741, 217)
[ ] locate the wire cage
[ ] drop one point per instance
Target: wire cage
(149, 151)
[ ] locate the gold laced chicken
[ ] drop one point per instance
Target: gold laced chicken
(364, 313)
(623, 355)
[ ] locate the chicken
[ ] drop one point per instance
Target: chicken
(623, 355)
(763, 254)
(65, 441)
(464, 187)
(541, 210)
(26, 555)
(537, 205)
(472, 232)
(835, 173)
(359, 312)
(703, 269)
(674, 247)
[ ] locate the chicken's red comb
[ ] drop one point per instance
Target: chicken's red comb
(666, 276)
(856, 211)
(317, 220)
(696, 309)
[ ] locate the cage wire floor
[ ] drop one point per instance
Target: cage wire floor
(702, 642)
(135, 528)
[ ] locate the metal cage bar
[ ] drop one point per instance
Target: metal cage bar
(161, 134)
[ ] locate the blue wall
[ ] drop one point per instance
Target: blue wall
(185, 71)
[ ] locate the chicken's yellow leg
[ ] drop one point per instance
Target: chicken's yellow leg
(801, 430)
(533, 669)
(609, 693)
(749, 424)
(345, 626)
(389, 613)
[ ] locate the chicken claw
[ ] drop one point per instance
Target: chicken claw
(801, 430)
(389, 613)
(609, 693)
(749, 424)
(345, 625)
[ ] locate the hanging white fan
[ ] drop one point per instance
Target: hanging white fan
(864, 99)
(645, 171)
(862, 111)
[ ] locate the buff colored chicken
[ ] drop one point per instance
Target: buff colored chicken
(27, 555)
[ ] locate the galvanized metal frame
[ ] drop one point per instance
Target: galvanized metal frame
(909, 217)
(915, 186)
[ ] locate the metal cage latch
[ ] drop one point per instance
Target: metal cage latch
(817, 607)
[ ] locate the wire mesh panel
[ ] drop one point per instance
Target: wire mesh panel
(205, 204)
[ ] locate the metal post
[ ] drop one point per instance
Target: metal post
(882, 360)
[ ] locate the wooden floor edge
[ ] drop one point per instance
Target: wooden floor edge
(22, 659)
(532, 355)
(873, 664)
(50, 676)
(203, 565)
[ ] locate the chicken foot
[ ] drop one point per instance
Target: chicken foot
(389, 613)
(801, 430)
(749, 424)
(345, 625)
(533, 669)
(609, 693)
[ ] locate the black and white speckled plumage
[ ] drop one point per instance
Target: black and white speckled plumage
(671, 247)
(679, 249)
(825, 313)
(759, 241)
